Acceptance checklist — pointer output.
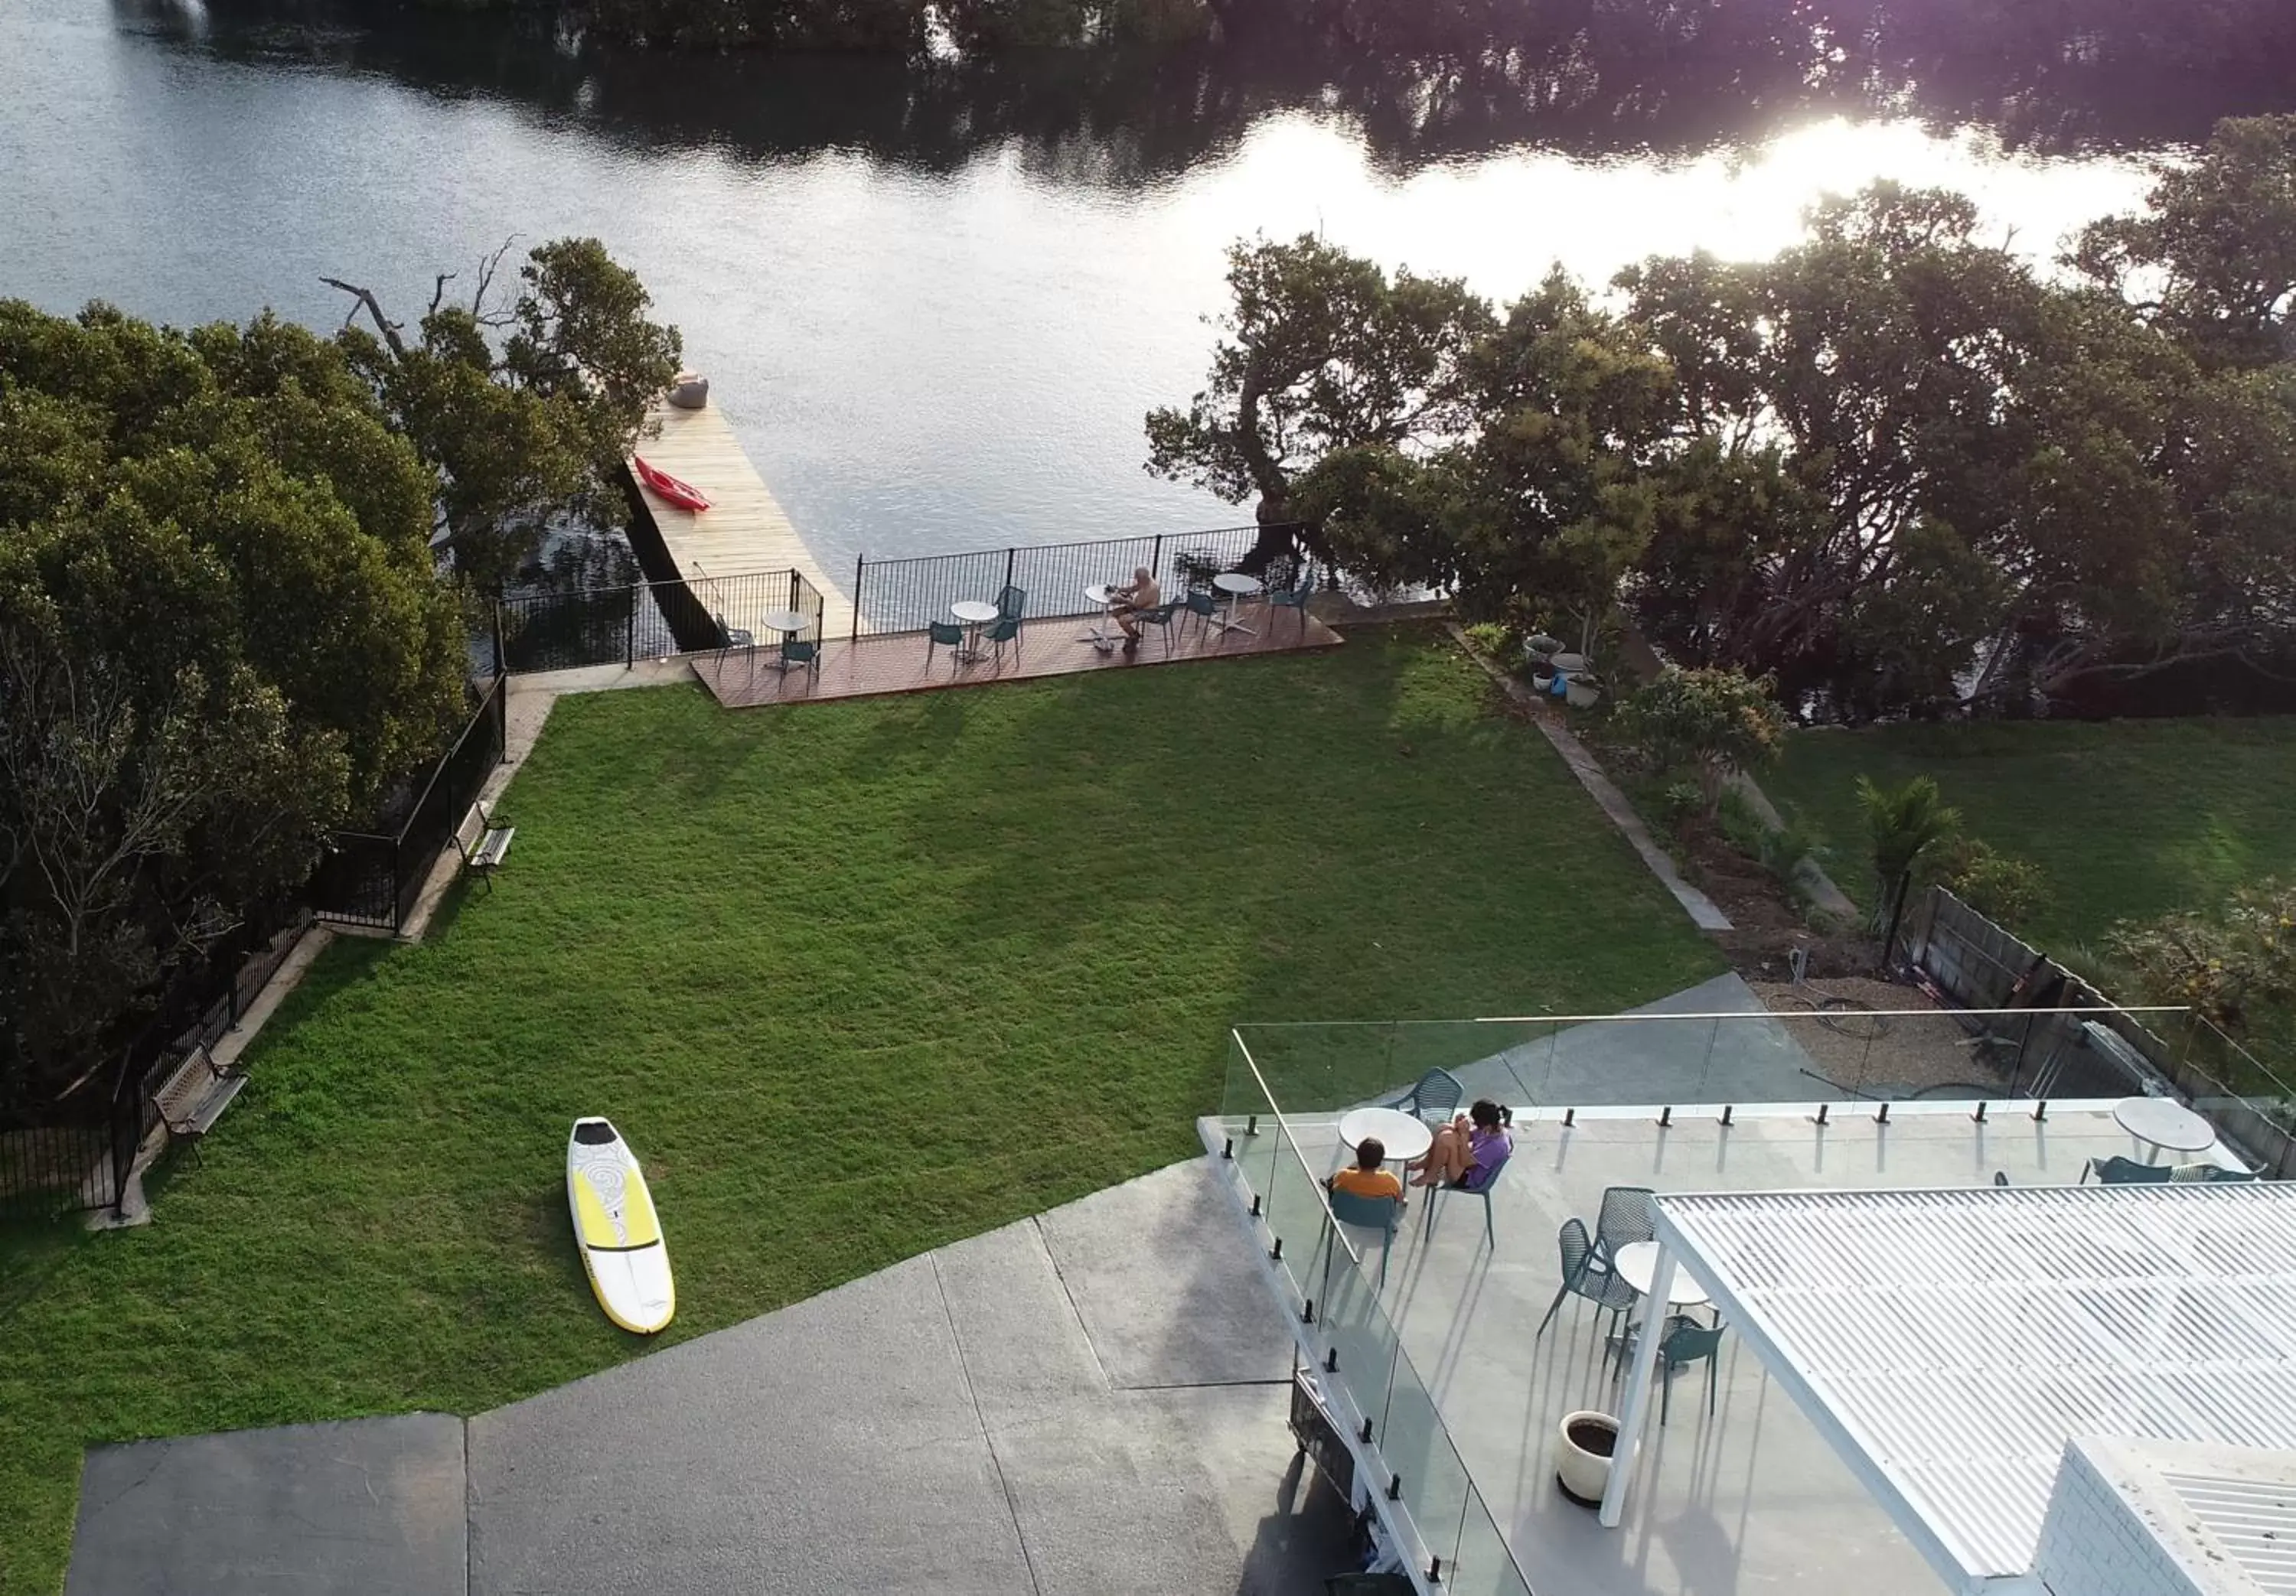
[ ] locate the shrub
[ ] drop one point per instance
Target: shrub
(1718, 722)
(1906, 826)
(1491, 638)
(2226, 962)
(1997, 885)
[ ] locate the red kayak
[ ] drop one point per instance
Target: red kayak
(684, 494)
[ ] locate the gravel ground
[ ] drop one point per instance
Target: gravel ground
(1908, 1053)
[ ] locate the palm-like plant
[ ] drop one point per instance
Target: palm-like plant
(1905, 824)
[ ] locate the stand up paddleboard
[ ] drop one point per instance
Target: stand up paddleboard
(615, 1229)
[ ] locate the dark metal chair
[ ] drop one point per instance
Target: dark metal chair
(1368, 1213)
(1007, 630)
(1629, 1214)
(1296, 596)
(1010, 602)
(1585, 1275)
(1434, 1098)
(944, 633)
(796, 652)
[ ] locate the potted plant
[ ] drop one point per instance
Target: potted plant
(1582, 1458)
(1582, 688)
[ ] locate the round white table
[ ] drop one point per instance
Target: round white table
(789, 623)
(974, 614)
(1636, 1261)
(1238, 587)
(2164, 1122)
(1097, 595)
(1404, 1136)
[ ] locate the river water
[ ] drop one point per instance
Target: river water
(935, 301)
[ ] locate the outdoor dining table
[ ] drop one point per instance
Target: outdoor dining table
(1097, 595)
(789, 623)
(1406, 1136)
(975, 614)
(1637, 1261)
(1237, 586)
(2161, 1122)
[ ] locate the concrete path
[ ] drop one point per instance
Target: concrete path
(1703, 910)
(371, 1508)
(1092, 1401)
(1611, 1063)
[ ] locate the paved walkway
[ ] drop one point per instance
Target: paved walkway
(1090, 1401)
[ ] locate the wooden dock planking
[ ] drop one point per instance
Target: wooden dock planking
(743, 531)
(899, 662)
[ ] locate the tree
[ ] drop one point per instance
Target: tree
(2235, 962)
(221, 635)
(1321, 352)
(1548, 501)
(525, 412)
(1718, 722)
(2212, 260)
(1906, 826)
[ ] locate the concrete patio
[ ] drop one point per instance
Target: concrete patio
(1749, 1499)
(1092, 1400)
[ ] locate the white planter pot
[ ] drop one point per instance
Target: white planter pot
(1582, 1462)
(1580, 693)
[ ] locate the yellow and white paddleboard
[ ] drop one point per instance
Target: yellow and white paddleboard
(617, 1230)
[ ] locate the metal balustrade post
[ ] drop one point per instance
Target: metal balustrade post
(630, 629)
(860, 570)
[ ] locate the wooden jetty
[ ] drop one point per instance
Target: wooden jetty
(743, 532)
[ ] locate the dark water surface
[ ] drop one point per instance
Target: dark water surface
(936, 300)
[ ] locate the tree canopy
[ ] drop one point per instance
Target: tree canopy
(220, 635)
(523, 411)
(1895, 466)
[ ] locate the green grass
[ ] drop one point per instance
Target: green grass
(2128, 818)
(855, 979)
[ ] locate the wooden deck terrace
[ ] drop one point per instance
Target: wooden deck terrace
(896, 662)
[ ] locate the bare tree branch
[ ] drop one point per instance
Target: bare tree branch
(365, 299)
(438, 291)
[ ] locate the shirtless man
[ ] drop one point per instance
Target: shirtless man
(1124, 602)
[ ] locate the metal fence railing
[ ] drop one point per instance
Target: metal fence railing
(81, 1157)
(366, 879)
(646, 620)
(904, 595)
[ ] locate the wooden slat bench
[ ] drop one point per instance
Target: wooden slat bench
(194, 1098)
(483, 840)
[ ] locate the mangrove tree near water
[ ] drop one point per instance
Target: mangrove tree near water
(1894, 466)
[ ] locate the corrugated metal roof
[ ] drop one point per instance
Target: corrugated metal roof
(2253, 1518)
(1956, 1340)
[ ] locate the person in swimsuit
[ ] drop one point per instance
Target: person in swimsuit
(1469, 1150)
(1124, 602)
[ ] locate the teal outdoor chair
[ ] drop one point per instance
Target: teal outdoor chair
(1159, 618)
(1629, 1214)
(2118, 1170)
(945, 634)
(1433, 1100)
(1585, 1275)
(796, 652)
(1370, 1214)
(1682, 1341)
(2206, 1175)
(1436, 1195)
(1007, 630)
(1296, 596)
(1010, 602)
(1205, 607)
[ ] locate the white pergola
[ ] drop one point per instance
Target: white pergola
(1949, 1343)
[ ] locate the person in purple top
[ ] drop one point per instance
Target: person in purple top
(1469, 1150)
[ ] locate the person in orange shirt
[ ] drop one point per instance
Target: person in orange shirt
(1368, 1178)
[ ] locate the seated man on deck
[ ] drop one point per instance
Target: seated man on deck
(1124, 602)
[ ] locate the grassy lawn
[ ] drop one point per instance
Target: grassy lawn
(2128, 818)
(856, 980)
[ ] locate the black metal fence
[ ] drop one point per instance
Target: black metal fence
(80, 1159)
(369, 880)
(646, 621)
(903, 596)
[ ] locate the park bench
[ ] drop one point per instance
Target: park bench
(483, 840)
(195, 1097)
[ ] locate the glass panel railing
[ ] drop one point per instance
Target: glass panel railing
(1360, 1340)
(1427, 1476)
(1484, 1567)
(1249, 1119)
(1296, 1215)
